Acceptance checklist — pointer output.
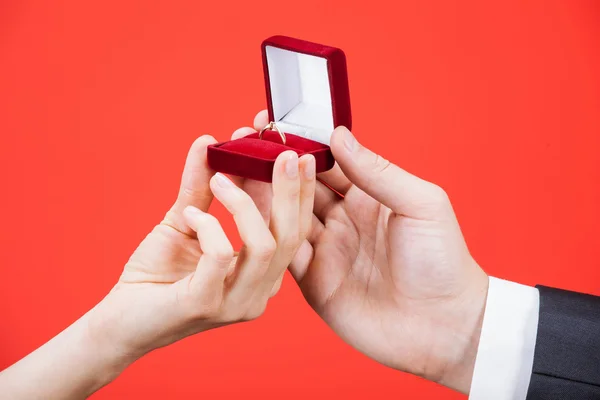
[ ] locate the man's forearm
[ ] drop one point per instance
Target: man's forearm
(70, 366)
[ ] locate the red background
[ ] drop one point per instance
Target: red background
(498, 102)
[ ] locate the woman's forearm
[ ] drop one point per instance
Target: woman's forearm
(70, 366)
(184, 278)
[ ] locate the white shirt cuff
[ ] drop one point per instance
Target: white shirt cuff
(504, 359)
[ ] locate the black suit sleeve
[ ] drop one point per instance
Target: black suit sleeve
(566, 363)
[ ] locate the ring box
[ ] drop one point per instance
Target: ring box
(307, 97)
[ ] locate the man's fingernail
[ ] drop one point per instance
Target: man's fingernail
(349, 140)
(309, 168)
(291, 166)
(223, 181)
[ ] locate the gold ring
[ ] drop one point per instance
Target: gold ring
(272, 126)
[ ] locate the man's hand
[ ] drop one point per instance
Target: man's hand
(386, 265)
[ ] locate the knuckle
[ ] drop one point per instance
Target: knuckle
(245, 201)
(194, 193)
(223, 257)
(437, 200)
(264, 249)
(290, 241)
(222, 254)
(376, 163)
(439, 196)
(256, 311)
(241, 203)
(380, 164)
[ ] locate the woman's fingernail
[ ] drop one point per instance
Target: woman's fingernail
(349, 141)
(223, 181)
(291, 166)
(309, 168)
(192, 211)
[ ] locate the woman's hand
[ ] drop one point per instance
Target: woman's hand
(184, 278)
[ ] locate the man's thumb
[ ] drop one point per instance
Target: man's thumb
(392, 186)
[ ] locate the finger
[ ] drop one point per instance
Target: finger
(242, 132)
(261, 120)
(305, 253)
(217, 253)
(307, 193)
(392, 186)
(316, 229)
(285, 213)
(325, 200)
(307, 168)
(260, 192)
(336, 179)
(259, 244)
(194, 189)
(302, 259)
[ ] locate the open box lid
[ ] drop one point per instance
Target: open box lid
(307, 87)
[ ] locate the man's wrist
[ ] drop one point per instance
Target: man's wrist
(459, 373)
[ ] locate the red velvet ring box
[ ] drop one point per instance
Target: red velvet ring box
(307, 97)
